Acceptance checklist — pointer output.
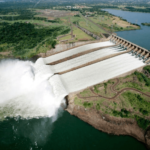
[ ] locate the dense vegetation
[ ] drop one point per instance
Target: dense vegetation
(87, 104)
(143, 123)
(131, 104)
(123, 113)
(18, 14)
(137, 9)
(146, 24)
(139, 104)
(24, 36)
(142, 78)
(147, 68)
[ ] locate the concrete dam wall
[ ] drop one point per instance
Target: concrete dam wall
(87, 65)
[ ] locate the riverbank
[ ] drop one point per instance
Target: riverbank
(140, 37)
(108, 108)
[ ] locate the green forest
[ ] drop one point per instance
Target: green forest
(21, 37)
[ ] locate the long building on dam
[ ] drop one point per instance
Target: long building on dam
(84, 66)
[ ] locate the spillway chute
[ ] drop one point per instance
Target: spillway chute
(42, 70)
(58, 87)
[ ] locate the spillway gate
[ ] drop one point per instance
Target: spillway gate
(131, 47)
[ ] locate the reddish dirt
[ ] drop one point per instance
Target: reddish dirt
(114, 90)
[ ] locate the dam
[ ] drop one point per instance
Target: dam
(81, 67)
(33, 90)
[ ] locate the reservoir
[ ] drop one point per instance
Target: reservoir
(140, 37)
(68, 132)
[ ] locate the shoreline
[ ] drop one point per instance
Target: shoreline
(106, 123)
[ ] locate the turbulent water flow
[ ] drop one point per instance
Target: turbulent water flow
(81, 60)
(102, 71)
(76, 51)
(27, 90)
(34, 90)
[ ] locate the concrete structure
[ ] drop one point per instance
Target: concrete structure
(71, 60)
(85, 66)
(135, 49)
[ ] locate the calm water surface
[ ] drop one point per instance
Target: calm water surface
(140, 37)
(69, 132)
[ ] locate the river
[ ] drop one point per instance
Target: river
(140, 37)
(69, 132)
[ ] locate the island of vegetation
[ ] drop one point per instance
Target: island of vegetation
(120, 106)
(146, 24)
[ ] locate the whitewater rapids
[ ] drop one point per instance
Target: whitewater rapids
(26, 90)
(34, 90)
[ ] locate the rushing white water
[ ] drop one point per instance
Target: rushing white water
(76, 51)
(99, 72)
(78, 61)
(25, 90)
(32, 90)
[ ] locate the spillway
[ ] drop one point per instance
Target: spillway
(32, 90)
(81, 60)
(27, 90)
(77, 50)
(90, 74)
(99, 72)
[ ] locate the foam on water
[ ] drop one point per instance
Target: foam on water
(93, 74)
(25, 90)
(83, 59)
(32, 90)
(76, 51)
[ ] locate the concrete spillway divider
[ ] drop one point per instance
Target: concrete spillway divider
(125, 44)
(147, 61)
(139, 51)
(146, 56)
(134, 51)
(143, 53)
(84, 59)
(130, 49)
(128, 44)
(99, 72)
(75, 51)
(120, 41)
(78, 54)
(92, 62)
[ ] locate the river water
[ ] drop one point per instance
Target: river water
(140, 37)
(69, 132)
